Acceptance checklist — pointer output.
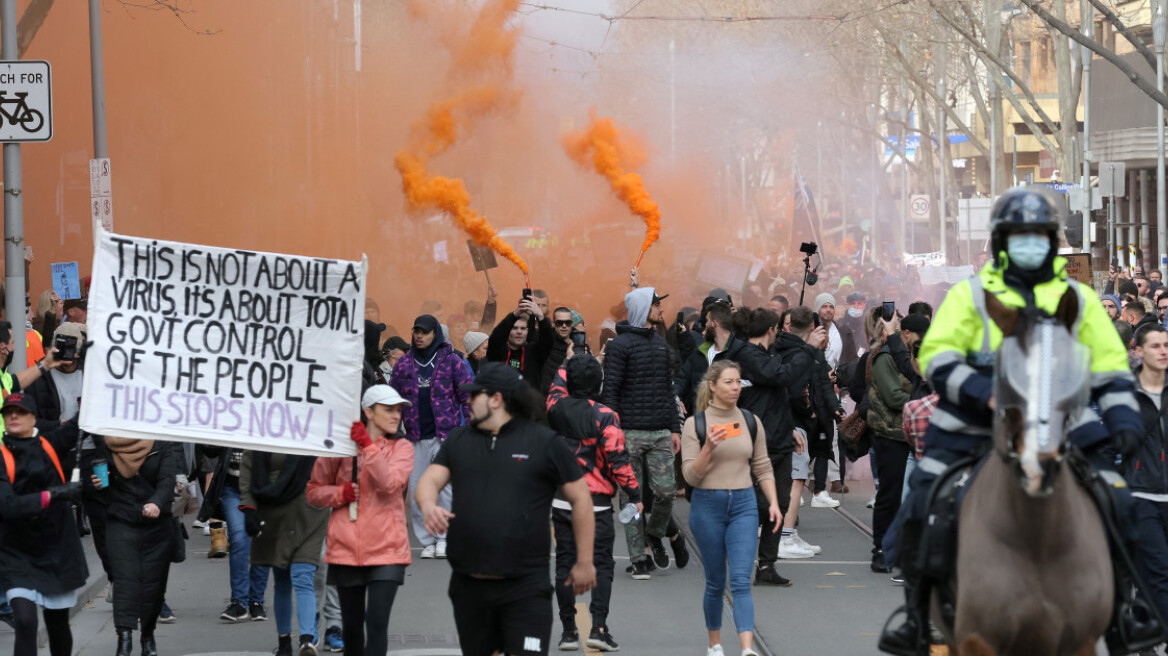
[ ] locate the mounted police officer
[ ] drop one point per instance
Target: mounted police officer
(957, 357)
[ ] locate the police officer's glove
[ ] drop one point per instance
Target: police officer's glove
(1127, 442)
(66, 492)
(252, 522)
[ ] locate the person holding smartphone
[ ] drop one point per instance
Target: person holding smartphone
(723, 511)
(509, 340)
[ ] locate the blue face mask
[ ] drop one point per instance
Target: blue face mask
(1028, 251)
(855, 312)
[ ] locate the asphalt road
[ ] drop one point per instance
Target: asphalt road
(836, 605)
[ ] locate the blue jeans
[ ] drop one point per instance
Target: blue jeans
(298, 577)
(248, 582)
(725, 526)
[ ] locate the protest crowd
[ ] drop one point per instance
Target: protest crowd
(521, 412)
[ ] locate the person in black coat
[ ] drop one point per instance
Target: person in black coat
(142, 534)
(509, 341)
(41, 559)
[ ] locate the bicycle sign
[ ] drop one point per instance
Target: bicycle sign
(26, 101)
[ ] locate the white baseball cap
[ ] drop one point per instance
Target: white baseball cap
(382, 394)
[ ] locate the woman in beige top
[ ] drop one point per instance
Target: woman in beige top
(723, 512)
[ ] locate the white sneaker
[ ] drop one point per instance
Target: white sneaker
(789, 547)
(440, 550)
(872, 502)
(207, 530)
(749, 652)
(823, 500)
(428, 552)
(800, 500)
(198, 524)
(716, 650)
(815, 549)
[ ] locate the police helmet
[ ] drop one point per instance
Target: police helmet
(1024, 209)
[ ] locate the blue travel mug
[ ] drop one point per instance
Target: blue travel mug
(101, 470)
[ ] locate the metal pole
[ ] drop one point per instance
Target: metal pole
(13, 210)
(1161, 220)
(1087, 20)
(942, 143)
(1014, 165)
(97, 75)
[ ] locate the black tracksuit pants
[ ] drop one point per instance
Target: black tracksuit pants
(601, 558)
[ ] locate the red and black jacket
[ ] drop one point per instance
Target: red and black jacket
(594, 434)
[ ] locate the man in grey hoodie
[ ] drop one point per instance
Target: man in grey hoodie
(639, 368)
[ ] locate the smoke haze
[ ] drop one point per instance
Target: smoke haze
(336, 128)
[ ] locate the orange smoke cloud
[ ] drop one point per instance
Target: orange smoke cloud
(480, 70)
(601, 145)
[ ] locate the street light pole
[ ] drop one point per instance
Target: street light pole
(1159, 28)
(1087, 17)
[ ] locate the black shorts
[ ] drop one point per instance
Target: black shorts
(509, 615)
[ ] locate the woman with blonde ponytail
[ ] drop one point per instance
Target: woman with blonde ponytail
(723, 517)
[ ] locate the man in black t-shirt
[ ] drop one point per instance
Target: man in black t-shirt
(507, 469)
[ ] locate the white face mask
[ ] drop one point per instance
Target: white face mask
(1028, 251)
(855, 312)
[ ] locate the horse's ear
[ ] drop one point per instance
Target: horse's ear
(1005, 318)
(1067, 311)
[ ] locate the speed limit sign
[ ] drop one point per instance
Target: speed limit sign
(919, 207)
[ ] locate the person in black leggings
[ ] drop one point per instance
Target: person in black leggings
(367, 552)
(41, 558)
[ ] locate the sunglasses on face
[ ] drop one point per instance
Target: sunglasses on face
(563, 324)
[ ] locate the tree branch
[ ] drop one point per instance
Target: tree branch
(985, 54)
(908, 69)
(30, 23)
(1139, 80)
(1127, 33)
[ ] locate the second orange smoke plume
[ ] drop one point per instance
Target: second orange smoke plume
(480, 71)
(600, 146)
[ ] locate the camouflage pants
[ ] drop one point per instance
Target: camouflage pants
(657, 450)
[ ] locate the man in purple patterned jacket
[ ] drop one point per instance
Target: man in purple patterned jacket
(432, 377)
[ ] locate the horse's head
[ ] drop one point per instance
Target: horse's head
(1040, 385)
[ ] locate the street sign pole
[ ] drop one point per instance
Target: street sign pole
(97, 75)
(13, 209)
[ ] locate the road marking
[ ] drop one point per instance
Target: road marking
(825, 587)
(855, 587)
(835, 574)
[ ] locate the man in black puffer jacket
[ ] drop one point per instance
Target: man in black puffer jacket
(639, 368)
(767, 382)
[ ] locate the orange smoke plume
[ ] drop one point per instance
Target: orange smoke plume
(601, 145)
(480, 70)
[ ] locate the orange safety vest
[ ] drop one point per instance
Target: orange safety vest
(10, 460)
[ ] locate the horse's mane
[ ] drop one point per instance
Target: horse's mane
(1017, 322)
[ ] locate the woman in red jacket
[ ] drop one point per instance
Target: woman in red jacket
(368, 549)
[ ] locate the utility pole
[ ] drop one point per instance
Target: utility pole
(1159, 28)
(942, 140)
(1087, 18)
(14, 282)
(97, 75)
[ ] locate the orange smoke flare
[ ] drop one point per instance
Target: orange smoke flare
(480, 70)
(601, 145)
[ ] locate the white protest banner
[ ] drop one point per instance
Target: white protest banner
(223, 346)
(925, 259)
(948, 275)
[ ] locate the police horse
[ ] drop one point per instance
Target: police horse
(1033, 573)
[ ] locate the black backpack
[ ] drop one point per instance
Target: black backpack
(700, 428)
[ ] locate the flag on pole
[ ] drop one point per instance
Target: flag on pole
(807, 225)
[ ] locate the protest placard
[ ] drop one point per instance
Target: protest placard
(222, 346)
(1079, 267)
(66, 280)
